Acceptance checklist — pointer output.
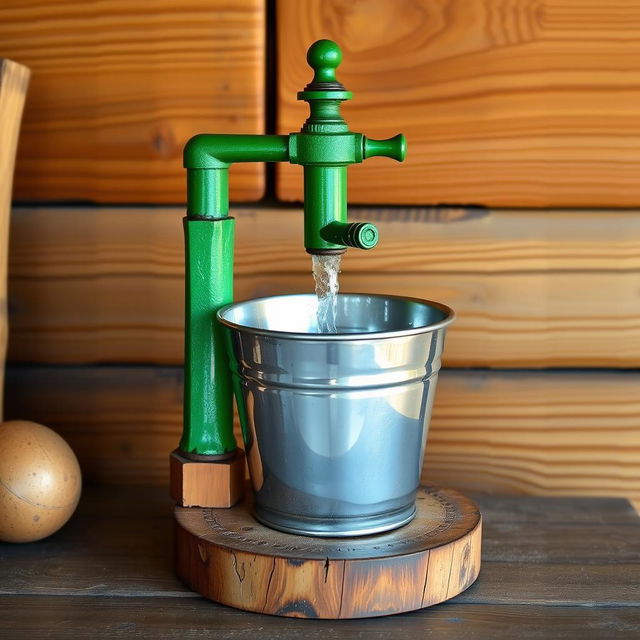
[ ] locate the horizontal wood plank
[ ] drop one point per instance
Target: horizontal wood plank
(108, 573)
(524, 433)
(118, 544)
(174, 618)
(118, 87)
(512, 508)
(531, 289)
(512, 103)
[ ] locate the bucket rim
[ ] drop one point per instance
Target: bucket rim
(450, 316)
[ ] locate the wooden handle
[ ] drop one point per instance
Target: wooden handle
(14, 80)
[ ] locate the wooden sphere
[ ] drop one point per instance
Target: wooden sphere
(40, 481)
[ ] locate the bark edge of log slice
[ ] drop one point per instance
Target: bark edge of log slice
(229, 557)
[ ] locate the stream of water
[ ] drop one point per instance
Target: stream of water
(325, 269)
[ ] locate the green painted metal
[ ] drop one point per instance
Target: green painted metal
(325, 201)
(361, 235)
(208, 408)
(236, 383)
(324, 57)
(395, 148)
(325, 147)
(208, 193)
(221, 150)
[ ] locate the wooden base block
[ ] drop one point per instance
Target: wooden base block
(206, 484)
(227, 556)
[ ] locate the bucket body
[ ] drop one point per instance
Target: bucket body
(335, 425)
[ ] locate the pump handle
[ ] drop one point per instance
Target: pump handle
(395, 148)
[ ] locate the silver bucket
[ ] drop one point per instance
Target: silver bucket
(335, 425)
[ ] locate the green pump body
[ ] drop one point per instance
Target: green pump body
(325, 147)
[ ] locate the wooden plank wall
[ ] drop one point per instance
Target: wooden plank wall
(119, 87)
(548, 433)
(531, 289)
(95, 288)
(505, 103)
(540, 394)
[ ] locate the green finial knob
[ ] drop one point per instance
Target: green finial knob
(324, 56)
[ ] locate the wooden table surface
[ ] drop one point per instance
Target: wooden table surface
(552, 568)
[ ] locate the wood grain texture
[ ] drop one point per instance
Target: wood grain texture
(531, 289)
(227, 556)
(557, 551)
(118, 87)
(74, 618)
(206, 484)
(568, 510)
(118, 545)
(512, 103)
(14, 81)
(502, 432)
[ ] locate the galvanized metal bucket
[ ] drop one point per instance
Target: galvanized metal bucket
(335, 425)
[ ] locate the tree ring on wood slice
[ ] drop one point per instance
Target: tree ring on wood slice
(229, 557)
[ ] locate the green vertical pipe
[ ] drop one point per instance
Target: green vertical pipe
(236, 384)
(325, 201)
(208, 408)
(208, 193)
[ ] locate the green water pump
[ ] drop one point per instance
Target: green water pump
(325, 148)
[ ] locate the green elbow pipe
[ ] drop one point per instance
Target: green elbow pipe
(220, 150)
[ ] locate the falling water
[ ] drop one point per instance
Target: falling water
(325, 270)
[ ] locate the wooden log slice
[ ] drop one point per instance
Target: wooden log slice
(227, 556)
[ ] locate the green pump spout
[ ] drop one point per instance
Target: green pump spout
(325, 147)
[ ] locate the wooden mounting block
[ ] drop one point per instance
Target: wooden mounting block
(227, 556)
(206, 484)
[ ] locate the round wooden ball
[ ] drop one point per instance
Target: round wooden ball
(40, 481)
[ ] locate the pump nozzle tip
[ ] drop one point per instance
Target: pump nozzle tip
(365, 235)
(361, 235)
